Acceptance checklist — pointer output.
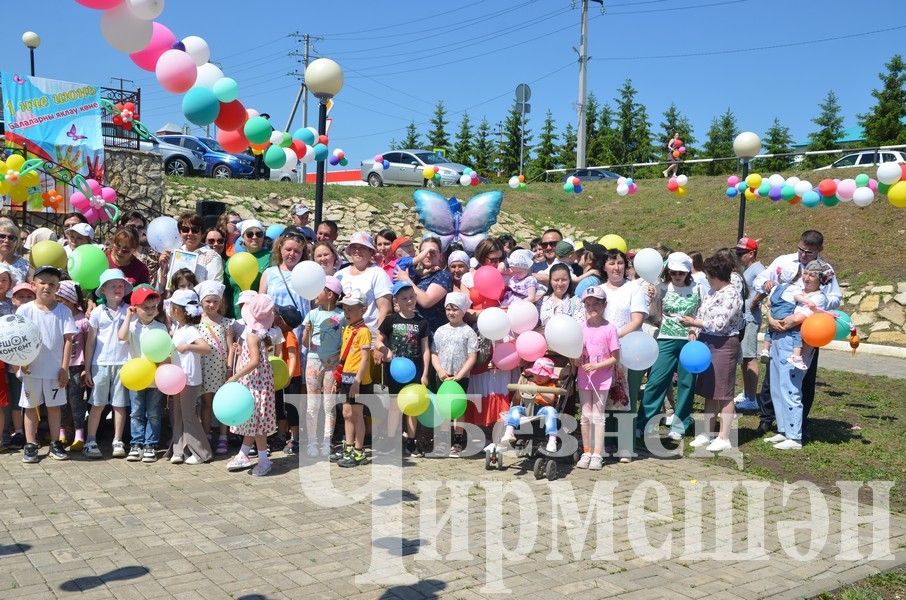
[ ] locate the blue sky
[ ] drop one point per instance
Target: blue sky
(761, 58)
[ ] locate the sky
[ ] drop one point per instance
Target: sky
(761, 58)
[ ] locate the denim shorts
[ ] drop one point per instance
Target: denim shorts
(107, 387)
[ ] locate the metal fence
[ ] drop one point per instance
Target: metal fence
(114, 136)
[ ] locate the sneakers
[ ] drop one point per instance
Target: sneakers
(91, 450)
(76, 446)
(749, 404)
(668, 420)
(30, 453)
(325, 449)
(222, 447)
(700, 440)
(194, 460)
(135, 453)
(788, 445)
(740, 397)
(149, 454)
(58, 450)
(312, 450)
(119, 449)
(342, 452)
(507, 439)
(775, 439)
(456, 451)
(354, 459)
(797, 362)
(625, 460)
(551, 446)
(765, 356)
(17, 441)
(240, 462)
(262, 468)
(177, 459)
(675, 436)
(584, 461)
(291, 448)
(595, 463)
(719, 445)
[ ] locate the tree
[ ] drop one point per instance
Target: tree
(483, 148)
(632, 131)
(437, 136)
(546, 150)
(720, 144)
(508, 149)
(462, 150)
(830, 123)
(675, 122)
(566, 157)
(591, 125)
(600, 146)
(883, 123)
(777, 140)
(412, 139)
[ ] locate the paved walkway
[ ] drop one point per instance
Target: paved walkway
(866, 364)
(131, 530)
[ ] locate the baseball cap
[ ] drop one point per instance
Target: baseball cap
(459, 300)
(362, 238)
(397, 244)
(679, 261)
(250, 224)
(141, 294)
(49, 269)
(300, 209)
(747, 244)
(290, 315)
(22, 286)
(83, 229)
(563, 248)
(353, 298)
(594, 291)
(333, 284)
(399, 286)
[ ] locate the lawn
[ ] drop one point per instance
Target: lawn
(883, 586)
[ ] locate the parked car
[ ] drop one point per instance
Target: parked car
(592, 175)
(290, 173)
(867, 158)
(178, 160)
(406, 168)
(218, 162)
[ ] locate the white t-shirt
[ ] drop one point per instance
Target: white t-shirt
(108, 349)
(372, 284)
(189, 361)
(623, 301)
(136, 329)
(54, 325)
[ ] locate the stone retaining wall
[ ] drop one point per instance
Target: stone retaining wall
(878, 311)
(138, 178)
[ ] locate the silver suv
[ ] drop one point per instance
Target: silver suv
(178, 161)
(406, 168)
(868, 158)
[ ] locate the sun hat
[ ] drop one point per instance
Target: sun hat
(141, 294)
(458, 256)
(459, 300)
(397, 244)
(361, 238)
(258, 313)
(250, 224)
(398, 287)
(353, 298)
(542, 367)
(111, 275)
(83, 229)
(564, 248)
(679, 261)
(67, 291)
(245, 296)
(333, 284)
(594, 291)
(209, 288)
(747, 244)
(300, 210)
(49, 269)
(40, 234)
(22, 286)
(521, 259)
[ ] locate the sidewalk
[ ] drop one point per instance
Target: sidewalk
(865, 364)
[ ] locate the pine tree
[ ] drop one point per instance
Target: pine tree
(508, 149)
(720, 144)
(412, 139)
(462, 150)
(883, 123)
(632, 131)
(591, 124)
(830, 122)
(483, 149)
(777, 140)
(566, 156)
(600, 147)
(546, 151)
(437, 136)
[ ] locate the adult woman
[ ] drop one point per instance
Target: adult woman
(719, 320)
(121, 254)
(229, 222)
(560, 298)
(9, 250)
(208, 264)
(70, 220)
(432, 285)
(677, 296)
(215, 239)
(289, 250)
(458, 265)
(327, 256)
(368, 280)
(145, 253)
(253, 240)
(382, 242)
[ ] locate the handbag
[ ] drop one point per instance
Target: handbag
(294, 309)
(338, 370)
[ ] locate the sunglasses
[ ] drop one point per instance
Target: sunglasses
(7, 237)
(214, 241)
(548, 244)
(190, 229)
(254, 234)
(676, 273)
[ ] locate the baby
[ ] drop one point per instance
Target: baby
(541, 374)
(520, 283)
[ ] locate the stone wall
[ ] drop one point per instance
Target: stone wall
(879, 312)
(138, 178)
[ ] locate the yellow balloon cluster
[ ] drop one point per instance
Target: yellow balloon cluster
(14, 182)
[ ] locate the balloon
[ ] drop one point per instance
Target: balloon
(682, 180)
(138, 374)
(334, 161)
(889, 173)
(827, 187)
(412, 399)
(896, 195)
(305, 135)
(695, 357)
(513, 182)
(146, 9)
(100, 4)
(672, 185)
(564, 336)
(764, 189)
(802, 188)
(621, 181)
(124, 31)
(198, 49)
(676, 154)
(873, 184)
(280, 371)
(226, 89)
(20, 340)
(233, 404)
(162, 39)
(883, 188)
(156, 345)
(48, 252)
(428, 172)
(787, 192)
(274, 157)
(774, 194)
(233, 142)
(819, 329)
(732, 192)
(231, 117)
(753, 180)
(291, 158)
(200, 106)
(523, 316)
(843, 324)
(845, 189)
(732, 181)
(170, 379)
(163, 234)
(176, 71)
(466, 180)
(258, 130)
(243, 268)
(320, 151)
(742, 186)
(432, 416)
(830, 200)
(622, 189)
(530, 345)
(450, 400)
(638, 350)
(493, 323)
(504, 356)
(308, 279)
(649, 264)
(612, 241)
(274, 231)
(402, 369)
(568, 187)
(322, 139)
(776, 180)
(85, 265)
(811, 199)
(577, 189)
(863, 196)
(489, 282)
(385, 164)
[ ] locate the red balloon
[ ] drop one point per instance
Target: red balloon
(672, 185)
(677, 142)
(827, 187)
(298, 147)
(903, 176)
(232, 141)
(489, 282)
(322, 139)
(232, 116)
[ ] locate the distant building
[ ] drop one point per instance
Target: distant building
(171, 128)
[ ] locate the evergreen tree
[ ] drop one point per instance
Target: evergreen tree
(675, 122)
(437, 136)
(546, 151)
(777, 140)
(632, 140)
(830, 122)
(483, 149)
(566, 157)
(462, 150)
(600, 147)
(720, 144)
(591, 125)
(412, 139)
(508, 149)
(883, 123)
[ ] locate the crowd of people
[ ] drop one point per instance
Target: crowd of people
(385, 296)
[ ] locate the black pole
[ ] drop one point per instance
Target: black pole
(319, 178)
(742, 202)
(31, 51)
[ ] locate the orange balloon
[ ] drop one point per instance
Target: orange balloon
(676, 154)
(819, 329)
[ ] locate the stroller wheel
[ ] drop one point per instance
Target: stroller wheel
(538, 469)
(500, 466)
(487, 460)
(550, 470)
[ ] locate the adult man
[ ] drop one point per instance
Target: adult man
(747, 251)
(785, 269)
(327, 231)
(549, 240)
(300, 214)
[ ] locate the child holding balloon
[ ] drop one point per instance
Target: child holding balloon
(217, 366)
(70, 296)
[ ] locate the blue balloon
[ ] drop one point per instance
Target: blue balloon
(811, 199)
(732, 192)
(233, 404)
(333, 160)
(237, 245)
(386, 164)
(274, 231)
(629, 181)
(402, 369)
(305, 135)
(320, 151)
(695, 357)
(577, 189)
(742, 186)
(200, 106)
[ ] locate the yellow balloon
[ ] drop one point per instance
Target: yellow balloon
(750, 195)
(428, 172)
(243, 268)
(138, 374)
(15, 162)
(31, 179)
(680, 192)
(413, 399)
(18, 193)
(897, 194)
(47, 252)
(4, 187)
(280, 370)
(753, 180)
(612, 241)
(3, 167)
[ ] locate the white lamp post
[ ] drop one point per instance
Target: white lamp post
(31, 40)
(746, 146)
(324, 79)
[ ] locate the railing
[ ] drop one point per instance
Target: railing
(115, 136)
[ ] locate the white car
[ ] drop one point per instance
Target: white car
(867, 158)
(291, 173)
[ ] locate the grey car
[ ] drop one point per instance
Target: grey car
(178, 161)
(406, 167)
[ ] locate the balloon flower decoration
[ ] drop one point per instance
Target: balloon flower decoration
(469, 177)
(53, 200)
(94, 201)
(625, 185)
(380, 163)
(338, 157)
(17, 175)
(517, 182)
(449, 221)
(126, 117)
(573, 184)
(677, 185)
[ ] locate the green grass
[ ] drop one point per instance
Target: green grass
(883, 586)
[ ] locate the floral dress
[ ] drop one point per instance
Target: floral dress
(214, 365)
(261, 383)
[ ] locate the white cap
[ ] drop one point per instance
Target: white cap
(459, 300)
(83, 229)
(679, 261)
(521, 259)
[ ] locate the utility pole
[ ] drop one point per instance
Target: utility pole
(583, 72)
(122, 81)
(302, 95)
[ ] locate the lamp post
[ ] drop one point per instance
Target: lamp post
(31, 40)
(746, 146)
(324, 79)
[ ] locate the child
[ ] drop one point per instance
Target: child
(146, 405)
(70, 296)
(541, 374)
(454, 350)
(254, 371)
(6, 308)
(188, 436)
(355, 380)
(520, 283)
(600, 354)
(401, 255)
(217, 366)
(44, 380)
(105, 355)
(21, 294)
(405, 335)
(287, 320)
(322, 334)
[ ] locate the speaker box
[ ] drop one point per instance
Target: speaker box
(210, 211)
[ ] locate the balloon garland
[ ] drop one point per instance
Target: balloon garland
(860, 191)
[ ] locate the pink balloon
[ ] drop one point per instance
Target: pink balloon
(170, 379)
(633, 189)
(531, 345)
(90, 215)
(732, 180)
(100, 4)
(251, 112)
(95, 187)
(489, 282)
(873, 184)
(78, 200)
(505, 356)
(176, 71)
(108, 194)
(162, 39)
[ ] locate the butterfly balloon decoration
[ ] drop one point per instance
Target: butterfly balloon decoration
(94, 201)
(450, 221)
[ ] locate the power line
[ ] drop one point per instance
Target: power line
(419, 20)
(676, 8)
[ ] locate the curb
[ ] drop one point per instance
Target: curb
(874, 349)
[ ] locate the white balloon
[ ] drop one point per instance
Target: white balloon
(291, 158)
(146, 9)
(276, 137)
(124, 31)
(513, 182)
(863, 196)
(208, 75)
(198, 49)
(20, 340)
(648, 264)
(493, 323)
(889, 172)
(793, 181)
(163, 234)
(682, 180)
(564, 336)
(621, 180)
(523, 316)
(622, 189)
(802, 188)
(638, 350)
(308, 279)
(776, 180)
(466, 180)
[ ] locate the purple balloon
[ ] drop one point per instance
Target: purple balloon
(774, 194)
(333, 160)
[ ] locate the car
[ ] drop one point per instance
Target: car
(219, 163)
(592, 175)
(291, 173)
(866, 158)
(406, 168)
(178, 160)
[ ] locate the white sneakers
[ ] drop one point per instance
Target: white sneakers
(719, 445)
(701, 440)
(551, 445)
(788, 445)
(775, 439)
(675, 436)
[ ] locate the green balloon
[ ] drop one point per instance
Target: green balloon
(883, 187)
(787, 192)
(764, 189)
(275, 157)
(830, 200)
(451, 400)
(287, 141)
(156, 345)
(85, 265)
(432, 417)
(258, 130)
(862, 180)
(844, 323)
(568, 187)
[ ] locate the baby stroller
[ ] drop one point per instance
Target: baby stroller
(531, 435)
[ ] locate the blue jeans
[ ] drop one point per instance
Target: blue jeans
(780, 309)
(786, 387)
(146, 416)
(548, 413)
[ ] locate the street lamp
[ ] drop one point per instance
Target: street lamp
(31, 40)
(324, 79)
(746, 146)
